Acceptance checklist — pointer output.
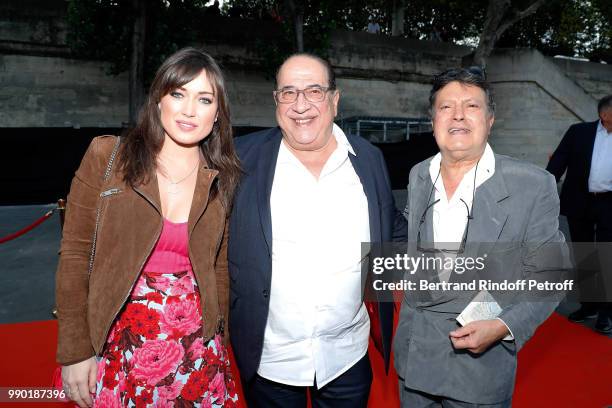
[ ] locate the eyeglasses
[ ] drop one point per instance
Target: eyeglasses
(457, 251)
(470, 216)
(478, 71)
(311, 94)
(475, 70)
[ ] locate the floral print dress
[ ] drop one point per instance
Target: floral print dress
(155, 355)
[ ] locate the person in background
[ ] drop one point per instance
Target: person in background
(585, 152)
(141, 315)
(373, 26)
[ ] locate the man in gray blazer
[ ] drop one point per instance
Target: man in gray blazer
(463, 198)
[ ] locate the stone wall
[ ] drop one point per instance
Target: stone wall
(596, 79)
(537, 97)
(376, 75)
(528, 122)
(536, 103)
(40, 91)
(387, 76)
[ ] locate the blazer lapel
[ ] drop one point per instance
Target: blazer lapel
(369, 187)
(150, 192)
(489, 215)
(201, 195)
(265, 176)
(422, 198)
(589, 139)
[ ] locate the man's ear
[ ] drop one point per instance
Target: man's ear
(335, 100)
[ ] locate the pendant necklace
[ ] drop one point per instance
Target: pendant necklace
(173, 188)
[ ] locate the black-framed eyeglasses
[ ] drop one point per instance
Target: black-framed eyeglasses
(470, 216)
(457, 251)
(311, 94)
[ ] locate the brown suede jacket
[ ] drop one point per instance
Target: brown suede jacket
(130, 223)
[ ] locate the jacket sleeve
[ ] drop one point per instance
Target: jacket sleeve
(559, 160)
(72, 280)
(222, 278)
(546, 258)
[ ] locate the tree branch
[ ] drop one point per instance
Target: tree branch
(519, 16)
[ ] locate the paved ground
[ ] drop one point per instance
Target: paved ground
(28, 263)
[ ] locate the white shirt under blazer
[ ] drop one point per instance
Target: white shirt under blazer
(317, 324)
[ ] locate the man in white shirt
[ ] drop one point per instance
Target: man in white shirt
(309, 197)
(586, 199)
(463, 198)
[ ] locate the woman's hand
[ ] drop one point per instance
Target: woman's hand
(79, 381)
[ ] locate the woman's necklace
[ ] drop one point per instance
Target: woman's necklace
(173, 188)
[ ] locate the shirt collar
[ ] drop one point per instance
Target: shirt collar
(486, 167)
(342, 139)
(602, 129)
(285, 155)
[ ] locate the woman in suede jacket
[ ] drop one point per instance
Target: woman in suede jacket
(142, 283)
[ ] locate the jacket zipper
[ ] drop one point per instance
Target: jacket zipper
(98, 352)
(110, 192)
(92, 252)
(220, 318)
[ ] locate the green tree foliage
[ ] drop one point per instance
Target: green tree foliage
(449, 20)
(101, 29)
(579, 28)
(566, 27)
(320, 17)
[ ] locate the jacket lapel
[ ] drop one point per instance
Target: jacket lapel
(589, 139)
(489, 215)
(265, 176)
(201, 195)
(369, 188)
(422, 199)
(150, 192)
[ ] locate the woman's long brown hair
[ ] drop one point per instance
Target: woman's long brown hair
(138, 155)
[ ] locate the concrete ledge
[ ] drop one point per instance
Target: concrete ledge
(528, 65)
(365, 56)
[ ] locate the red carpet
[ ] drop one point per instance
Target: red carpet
(564, 365)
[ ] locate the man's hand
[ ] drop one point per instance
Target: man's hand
(479, 335)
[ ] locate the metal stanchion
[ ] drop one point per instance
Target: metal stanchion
(61, 209)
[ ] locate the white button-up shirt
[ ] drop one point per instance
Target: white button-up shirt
(317, 323)
(450, 216)
(600, 177)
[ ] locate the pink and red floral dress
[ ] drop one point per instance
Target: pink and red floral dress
(155, 355)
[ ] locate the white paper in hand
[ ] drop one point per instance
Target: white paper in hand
(482, 307)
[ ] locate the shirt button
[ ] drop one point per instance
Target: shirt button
(265, 293)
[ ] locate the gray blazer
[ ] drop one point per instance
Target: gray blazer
(516, 213)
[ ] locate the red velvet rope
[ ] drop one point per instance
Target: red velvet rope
(26, 229)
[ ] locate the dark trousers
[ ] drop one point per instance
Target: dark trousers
(596, 226)
(349, 390)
